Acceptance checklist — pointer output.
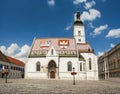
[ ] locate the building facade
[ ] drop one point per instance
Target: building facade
(12, 66)
(55, 58)
(109, 63)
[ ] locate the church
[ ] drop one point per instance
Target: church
(56, 58)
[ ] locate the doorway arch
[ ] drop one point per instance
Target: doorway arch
(52, 69)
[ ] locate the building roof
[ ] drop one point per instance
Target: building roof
(114, 49)
(84, 47)
(3, 57)
(10, 59)
(63, 47)
(15, 61)
(57, 43)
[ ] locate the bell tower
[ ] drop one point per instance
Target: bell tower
(78, 28)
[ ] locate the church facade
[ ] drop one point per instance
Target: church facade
(56, 58)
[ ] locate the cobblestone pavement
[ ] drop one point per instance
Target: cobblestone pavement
(32, 86)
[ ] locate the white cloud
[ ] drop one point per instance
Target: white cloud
(91, 25)
(112, 45)
(76, 2)
(88, 5)
(3, 49)
(91, 15)
(11, 50)
(100, 53)
(68, 28)
(51, 2)
(99, 30)
(115, 33)
(24, 50)
(15, 51)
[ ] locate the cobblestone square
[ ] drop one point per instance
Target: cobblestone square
(36, 86)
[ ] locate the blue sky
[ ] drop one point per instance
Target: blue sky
(22, 20)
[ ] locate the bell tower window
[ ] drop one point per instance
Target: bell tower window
(79, 40)
(79, 32)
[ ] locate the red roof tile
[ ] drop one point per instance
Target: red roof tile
(10, 59)
(3, 57)
(15, 61)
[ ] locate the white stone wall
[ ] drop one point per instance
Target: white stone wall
(62, 67)
(64, 73)
(61, 70)
(30, 67)
(93, 73)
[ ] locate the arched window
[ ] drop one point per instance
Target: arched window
(69, 65)
(38, 66)
(80, 66)
(52, 52)
(83, 66)
(90, 64)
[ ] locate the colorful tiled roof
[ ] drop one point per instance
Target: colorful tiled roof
(63, 47)
(57, 43)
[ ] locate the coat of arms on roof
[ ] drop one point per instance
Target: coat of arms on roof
(45, 43)
(63, 43)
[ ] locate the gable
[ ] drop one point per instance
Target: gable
(52, 52)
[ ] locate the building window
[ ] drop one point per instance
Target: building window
(52, 52)
(69, 66)
(90, 64)
(79, 33)
(80, 66)
(38, 66)
(11, 67)
(14, 67)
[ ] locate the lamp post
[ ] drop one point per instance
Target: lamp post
(73, 73)
(5, 72)
(74, 76)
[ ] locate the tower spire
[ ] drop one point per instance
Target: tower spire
(77, 18)
(79, 33)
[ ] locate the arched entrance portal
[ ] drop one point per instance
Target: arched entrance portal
(52, 69)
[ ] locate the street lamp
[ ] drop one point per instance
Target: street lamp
(5, 72)
(73, 73)
(74, 76)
